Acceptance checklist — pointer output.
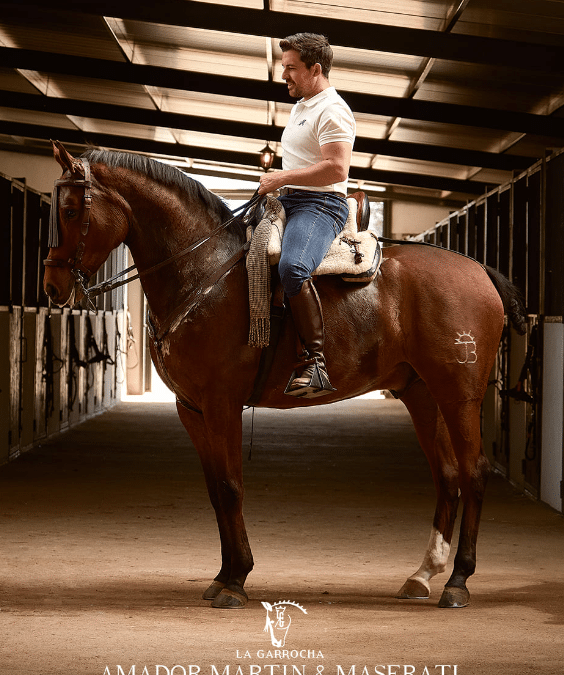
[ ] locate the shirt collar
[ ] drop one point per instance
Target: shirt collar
(326, 93)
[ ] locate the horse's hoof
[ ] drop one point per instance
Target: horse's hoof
(213, 590)
(229, 598)
(414, 589)
(454, 597)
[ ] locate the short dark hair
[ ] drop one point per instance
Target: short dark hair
(312, 48)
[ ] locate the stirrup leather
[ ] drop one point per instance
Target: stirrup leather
(319, 384)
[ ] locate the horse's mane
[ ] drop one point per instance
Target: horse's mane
(162, 173)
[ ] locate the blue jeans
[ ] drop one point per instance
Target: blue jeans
(313, 220)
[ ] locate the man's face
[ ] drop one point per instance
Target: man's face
(300, 79)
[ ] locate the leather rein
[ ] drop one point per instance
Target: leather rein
(82, 274)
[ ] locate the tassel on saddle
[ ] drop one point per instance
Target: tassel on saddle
(354, 245)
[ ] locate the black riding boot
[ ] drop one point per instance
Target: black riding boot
(310, 379)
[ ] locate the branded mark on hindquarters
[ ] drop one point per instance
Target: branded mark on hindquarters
(467, 341)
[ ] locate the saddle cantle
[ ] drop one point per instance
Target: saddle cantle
(362, 210)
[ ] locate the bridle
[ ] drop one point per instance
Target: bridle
(82, 274)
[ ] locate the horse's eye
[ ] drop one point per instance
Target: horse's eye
(70, 214)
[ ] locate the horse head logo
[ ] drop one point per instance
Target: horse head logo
(278, 628)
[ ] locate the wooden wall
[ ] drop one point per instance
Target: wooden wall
(57, 366)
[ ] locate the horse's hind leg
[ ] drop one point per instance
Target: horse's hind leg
(463, 421)
(218, 443)
(435, 441)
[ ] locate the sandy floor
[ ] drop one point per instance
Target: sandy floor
(108, 541)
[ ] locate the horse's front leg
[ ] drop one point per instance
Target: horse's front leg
(218, 441)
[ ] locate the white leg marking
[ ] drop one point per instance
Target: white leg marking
(435, 559)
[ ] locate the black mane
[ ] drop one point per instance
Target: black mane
(162, 173)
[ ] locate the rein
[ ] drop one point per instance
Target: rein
(83, 274)
(110, 284)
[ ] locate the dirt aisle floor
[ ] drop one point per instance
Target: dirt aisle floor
(108, 541)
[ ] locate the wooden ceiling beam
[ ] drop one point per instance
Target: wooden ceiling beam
(357, 34)
(262, 132)
(148, 146)
(430, 111)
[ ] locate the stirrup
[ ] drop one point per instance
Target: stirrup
(319, 384)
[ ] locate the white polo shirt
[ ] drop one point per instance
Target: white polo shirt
(324, 118)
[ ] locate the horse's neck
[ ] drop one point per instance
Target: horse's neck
(164, 228)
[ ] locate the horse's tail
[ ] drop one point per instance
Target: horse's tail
(511, 298)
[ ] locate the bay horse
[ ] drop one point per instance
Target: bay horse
(427, 328)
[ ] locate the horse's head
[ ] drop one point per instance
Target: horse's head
(81, 233)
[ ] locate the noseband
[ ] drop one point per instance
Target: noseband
(81, 273)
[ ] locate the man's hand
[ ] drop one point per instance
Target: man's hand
(271, 181)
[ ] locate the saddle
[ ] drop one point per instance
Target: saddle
(355, 255)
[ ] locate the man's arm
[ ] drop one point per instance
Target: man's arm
(333, 168)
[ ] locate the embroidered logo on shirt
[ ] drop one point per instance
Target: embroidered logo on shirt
(300, 124)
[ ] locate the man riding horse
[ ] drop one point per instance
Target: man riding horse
(317, 147)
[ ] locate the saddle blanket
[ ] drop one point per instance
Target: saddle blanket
(353, 255)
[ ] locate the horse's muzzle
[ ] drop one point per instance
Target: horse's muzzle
(61, 299)
(60, 288)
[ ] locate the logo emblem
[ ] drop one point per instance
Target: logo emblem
(300, 124)
(278, 620)
(469, 343)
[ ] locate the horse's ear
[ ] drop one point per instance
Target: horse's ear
(66, 160)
